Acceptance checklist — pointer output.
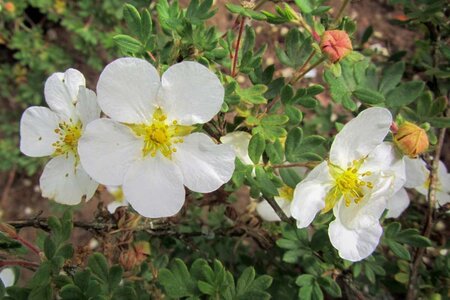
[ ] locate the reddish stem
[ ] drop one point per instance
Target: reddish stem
(21, 263)
(238, 44)
(28, 245)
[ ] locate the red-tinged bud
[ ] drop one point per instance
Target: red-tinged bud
(128, 259)
(411, 139)
(335, 44)
(142, 250)
(394, 127)
(10, 7)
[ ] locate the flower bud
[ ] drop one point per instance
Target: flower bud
(128, 259)
(10, 7)
(335, 44)
(411, 139)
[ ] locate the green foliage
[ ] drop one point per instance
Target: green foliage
(214, 282)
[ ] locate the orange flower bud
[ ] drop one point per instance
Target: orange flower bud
(411, 139)
(336, 45)
(10, 7)
(128, 259)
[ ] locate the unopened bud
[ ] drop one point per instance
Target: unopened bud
(335, 44)
(411, 139)
(10, 7)
(142, 250)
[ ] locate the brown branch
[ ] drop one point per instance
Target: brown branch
(238, 44)
(412, 291)
(279, 211)
(21, 263)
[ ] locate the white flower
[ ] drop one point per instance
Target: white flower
(239, 140)
(361, 173)
(56, 131)
(119, 198)
(284, 200)
(8, 277)
(442, 188)
(147, 145)
(416, 175)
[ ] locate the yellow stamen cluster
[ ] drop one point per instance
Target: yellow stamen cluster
(286, 192)
(160, 136)
(69, 134)
(348, 184)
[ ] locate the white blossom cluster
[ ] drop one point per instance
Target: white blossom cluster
(363, 177)
(147, 144)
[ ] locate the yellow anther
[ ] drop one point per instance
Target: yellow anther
(159, 136)
(69, 134)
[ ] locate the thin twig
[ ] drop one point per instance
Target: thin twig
(300, 76)
(21, 263)
(412, 291)
(303, 67)
(238, 44)
(341, 10)
(279, 211)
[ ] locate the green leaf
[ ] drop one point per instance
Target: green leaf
(275, 152)
(133, 19)
(206, 288)
(412, 237)
(391, 77)
(399, 249)
(99, 266)
(392, 230)
(177, 281)
(146, 25)
(439, 122)
(274, 120)
(290, 177)
(245, 280)
(72, 292)
(253, 94)
(310, 292)
(114, 276)
(293, 143)
(305, 279)
(294, 114)
(128, 44)
(404, 94)
(49, 247)
(368, 96)
(256, 147)
(330, 286)
(267, 187)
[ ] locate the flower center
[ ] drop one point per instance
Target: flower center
(69, 134)
(159, 135)
(286, 192)
(348, 184)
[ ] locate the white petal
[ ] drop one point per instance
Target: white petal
(239, 140)
(87, 107)
(355, 215)
(154, 187)
(61, 91)
(442, 198)
(64, 183)
(115, 205)
(8, 277)
(127, 90)
(267, 213)
(416, 172)
(387, 168)
(397, 204)
(205, 165)
(107, 149)
(442, 171)
(309, 195)
(360, 136)
(356, 244)
(191, 93)
(37, 131)
(73, 79)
